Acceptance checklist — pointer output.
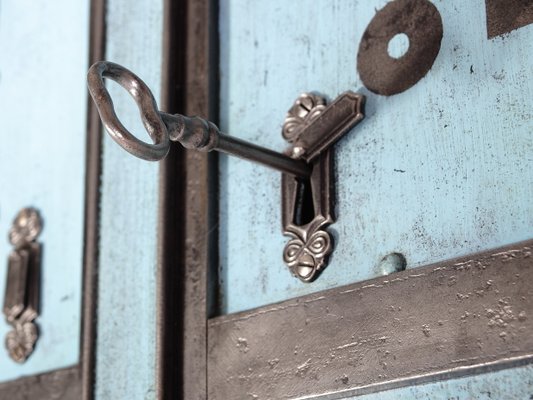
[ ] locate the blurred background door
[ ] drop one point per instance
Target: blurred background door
(43, 58)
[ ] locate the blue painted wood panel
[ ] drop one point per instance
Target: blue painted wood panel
(126, 347)
(441, 170)
(43, 62)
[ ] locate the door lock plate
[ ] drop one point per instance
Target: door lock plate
(21, 301)
(307, 203)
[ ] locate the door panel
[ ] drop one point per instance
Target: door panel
(440, 170)
(126, 341)
(44, 47)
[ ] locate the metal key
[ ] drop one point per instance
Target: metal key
(192, 132)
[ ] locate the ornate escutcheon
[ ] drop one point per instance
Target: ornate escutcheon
(21, 302)
(312, 128)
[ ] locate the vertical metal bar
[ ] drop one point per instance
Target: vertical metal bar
(187, 241)
(93, 167)
(170, 285)
(200, 237)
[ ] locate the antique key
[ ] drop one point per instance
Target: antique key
(311, 127)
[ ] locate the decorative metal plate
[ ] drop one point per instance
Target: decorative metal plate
(21, 302)
(307, 204)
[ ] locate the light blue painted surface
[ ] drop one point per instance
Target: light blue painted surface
(43, 61)
(441, 170)
(511, 384)
(128, 258)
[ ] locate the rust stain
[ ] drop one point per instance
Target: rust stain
(421, 22)
(504, 16)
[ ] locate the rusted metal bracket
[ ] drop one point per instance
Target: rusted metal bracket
(311, 127)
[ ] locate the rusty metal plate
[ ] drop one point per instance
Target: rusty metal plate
(504, 16)
(421, 22)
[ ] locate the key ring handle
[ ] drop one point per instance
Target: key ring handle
(144, 98)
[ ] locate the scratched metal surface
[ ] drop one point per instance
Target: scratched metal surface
(445, 320)
(126, 348)
(441, 170)
(43, 60)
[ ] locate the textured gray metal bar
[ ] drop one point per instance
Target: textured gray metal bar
(61, 384)
(448, 319)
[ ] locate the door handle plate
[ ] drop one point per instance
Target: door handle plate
(307, 204)
(21, 301)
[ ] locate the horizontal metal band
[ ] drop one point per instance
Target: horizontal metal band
(448, 319)
(60, 384)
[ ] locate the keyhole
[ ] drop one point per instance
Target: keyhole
(398, 45)
(304, 210)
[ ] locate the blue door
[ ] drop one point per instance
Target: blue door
(440, 167)
(43, 58)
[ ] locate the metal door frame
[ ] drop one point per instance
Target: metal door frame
(187, 212)
(450, 319)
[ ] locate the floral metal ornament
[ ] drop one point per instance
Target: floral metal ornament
(304, 110)
(307, 211)
(305, 221)
(312, 127)
(306, 254)
(21, 302)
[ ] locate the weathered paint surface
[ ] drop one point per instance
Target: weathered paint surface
(127, 276)
(43, 57)
(511, 384)
(441, 170)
